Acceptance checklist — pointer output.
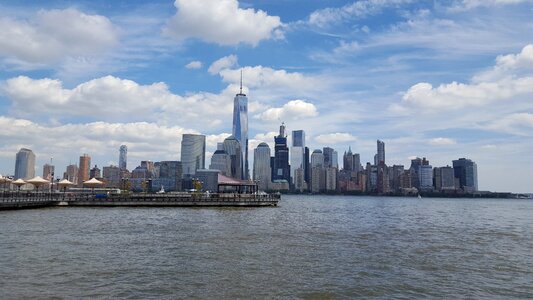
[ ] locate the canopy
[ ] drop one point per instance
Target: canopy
(64, 183)
(92, 183)
(4, 179)
(37, 181)
(19, 182)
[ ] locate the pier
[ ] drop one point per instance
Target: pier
(14, 200)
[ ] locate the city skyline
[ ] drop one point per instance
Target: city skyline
(441, 80)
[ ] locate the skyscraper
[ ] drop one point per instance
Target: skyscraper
(281, 170)
(123, 157)
(318, 173)
(221, 161)
(85, 163)
(380, 156)
(262, 172)
(233, 148)
(466, 171)
(240, 128)
(328, 156)
(25, 164)
(297, 154)
(192, 153)
(71, 174)
(48, 171)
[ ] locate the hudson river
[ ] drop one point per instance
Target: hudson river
(314, 247)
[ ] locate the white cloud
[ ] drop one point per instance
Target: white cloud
(509, 65)
(195, 64)
(292, 110)
(499, 85)
(225, 62)
(335, 138)
(221, 22)
(113, 99)
(358, 9)
(517, 124)
(440, 141)
(470, 4)
(52, 35)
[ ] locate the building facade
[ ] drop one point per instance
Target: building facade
(123, 157)
(297, 155)
(281, 169)
(25, 164)
(192, 153)
(466, 171)
(84, 168)
(240, 129)
(262, 171)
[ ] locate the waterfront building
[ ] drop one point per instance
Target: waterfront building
(443, 178)
(240, 129)
(299, 180)
(357, 167)
(208, 180)
(416, 164)
(466, 171)
(71, 173)
(233, 148)
(347, 160)
(331, 179)
(221, 161)
(297, 155)
(84, 168)
(123, 157)
(167, 175)
(397, 171)
(48, 172)
(382, 184)
(380, 155)
(328, 156)
(112, 176)
(307, 166)
(192, 153)
(281, 169)
(425, 176)
(318, 176)
(95, 172)
(262, 171)
(24, 164)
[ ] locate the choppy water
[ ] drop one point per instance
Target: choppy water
(309, 247)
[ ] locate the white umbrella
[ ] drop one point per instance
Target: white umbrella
(37, 181)
(92, 183)
(64, 183)
(19, 182)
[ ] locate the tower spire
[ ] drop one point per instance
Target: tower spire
(241, 82)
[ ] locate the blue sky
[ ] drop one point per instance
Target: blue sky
(435, 79)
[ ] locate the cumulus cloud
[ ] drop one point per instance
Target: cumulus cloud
(292, 110)
(493, 89)
(335, 138)
(221, 22)
(113, 99)
(52, 35)
(225, 62)
(195, 64)
(440, 141)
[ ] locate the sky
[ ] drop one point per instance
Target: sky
(436, 79)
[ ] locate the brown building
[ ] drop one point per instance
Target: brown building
(85, 163)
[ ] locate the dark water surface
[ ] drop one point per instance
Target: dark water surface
(315, 247)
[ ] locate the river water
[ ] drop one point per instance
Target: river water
(310, 247)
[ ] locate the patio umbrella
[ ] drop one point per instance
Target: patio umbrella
(93, 183)
(38, 181)
(19, 182)
(64, 183)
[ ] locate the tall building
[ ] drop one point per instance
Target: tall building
(71, 174)
(380, 155)
(328, 156)
(221, 161)
(281, 170)
(95, 172)
(297, 155)
(112, 176)
(25, 164)
(262, 171)
(466, 171)
(240, 128)
(331, 178)
(192, 153)
(357, 162)
(347, 160)
(48, 171)
(318, 172)
(443, 178)
(317, 159)
(167, 175)
(307, 167)
(123, 157)
(84, 168)
(233, 148)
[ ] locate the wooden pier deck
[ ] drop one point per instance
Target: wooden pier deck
(38, 200)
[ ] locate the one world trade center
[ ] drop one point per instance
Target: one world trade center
(240, 127)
